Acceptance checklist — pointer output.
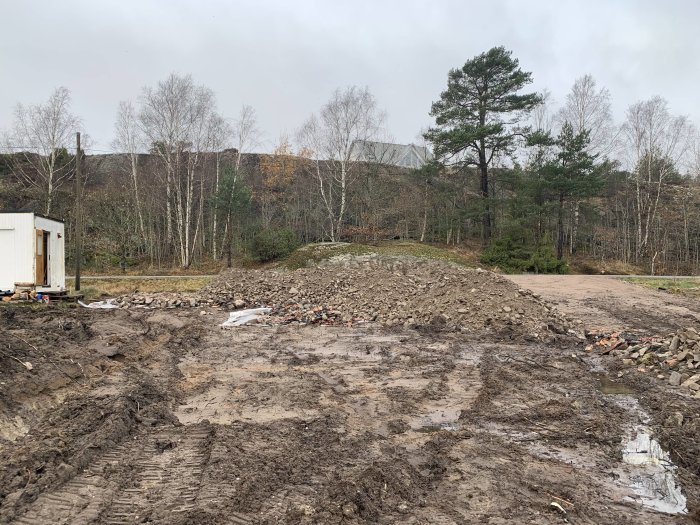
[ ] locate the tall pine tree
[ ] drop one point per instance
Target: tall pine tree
(476, 117)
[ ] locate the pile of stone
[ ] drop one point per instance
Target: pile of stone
(162, 300)
(676, 358)
(393, 291)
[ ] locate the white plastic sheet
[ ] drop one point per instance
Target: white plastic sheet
(108, 304)
(242, 317)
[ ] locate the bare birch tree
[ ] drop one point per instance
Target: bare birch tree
(349, 117)
(43, 133)
(656, 143)
(176, 118)
(245, 132)
(164, 122)
(128, 140)
(201, 111)
(588, 108)
(221, 133)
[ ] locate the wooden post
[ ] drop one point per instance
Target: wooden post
(78, 213)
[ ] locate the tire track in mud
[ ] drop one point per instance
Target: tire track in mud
(164, 470)
(80, 500)
(153, 474)
(213, 495)
(167, 464)
(168, 484)
(169, 470)
(313, 424)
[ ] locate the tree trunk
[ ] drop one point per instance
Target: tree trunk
(486, 218)
(638, 250)
(169, 180)
(137, 196)
(49, 194)
(560, 225)
(229, 240)
(216, 209)
(343, 197)
(574, 227)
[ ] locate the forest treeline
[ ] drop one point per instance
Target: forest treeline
(531, 182)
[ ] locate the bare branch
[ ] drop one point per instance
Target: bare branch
(44, 130)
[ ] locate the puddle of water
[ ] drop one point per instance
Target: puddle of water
(654, 480)
(650, 473)
(452, 427)
(441, 419)
(608, 386)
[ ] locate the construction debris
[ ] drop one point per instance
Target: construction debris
(392, 291)
(242, 317)
(105, 305)
(26, 294)
(675, 358)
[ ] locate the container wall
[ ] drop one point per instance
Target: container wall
(16, 249)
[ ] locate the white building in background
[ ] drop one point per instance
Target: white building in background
(32, 252)
(403, 155)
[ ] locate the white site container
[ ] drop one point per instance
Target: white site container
(32, 252)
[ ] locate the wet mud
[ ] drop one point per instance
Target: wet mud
(161, 417)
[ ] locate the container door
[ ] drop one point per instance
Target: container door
(40, 257)
(47, 259)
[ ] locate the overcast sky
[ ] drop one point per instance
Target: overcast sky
(286, 57)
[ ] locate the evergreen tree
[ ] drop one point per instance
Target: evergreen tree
(476, 117)
(573, 173)
(232, 200)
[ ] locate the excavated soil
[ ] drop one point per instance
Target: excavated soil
(387, 290)
(159, 416)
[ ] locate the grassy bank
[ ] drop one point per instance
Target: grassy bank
(314, 253)
(678, 285)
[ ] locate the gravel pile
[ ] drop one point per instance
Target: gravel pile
(393, 291)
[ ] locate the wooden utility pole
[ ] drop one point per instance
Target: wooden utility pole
(78, 213)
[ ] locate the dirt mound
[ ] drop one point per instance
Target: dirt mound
(394, 291)
(390, 290)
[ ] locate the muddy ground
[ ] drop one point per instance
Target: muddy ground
(158, 416)
(612, 304)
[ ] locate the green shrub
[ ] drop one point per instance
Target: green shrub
(507, 253)
(274, 244)
(513, 255)
(543, 260)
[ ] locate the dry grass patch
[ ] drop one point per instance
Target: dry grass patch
(591, 266)
(97, 288)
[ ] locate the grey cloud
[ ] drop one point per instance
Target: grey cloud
(285, 58)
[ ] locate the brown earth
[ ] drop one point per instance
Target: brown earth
(158, 416)
(612, 304)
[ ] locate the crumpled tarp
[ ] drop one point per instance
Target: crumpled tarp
(108, 304)
(241, 317)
